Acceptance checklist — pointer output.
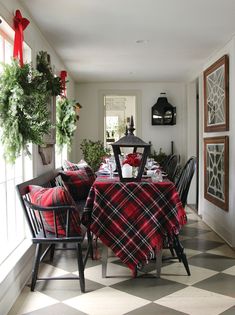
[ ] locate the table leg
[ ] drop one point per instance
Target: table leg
(158, 262)
(104, 260)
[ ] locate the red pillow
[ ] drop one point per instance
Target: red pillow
(69, 166)
(78, 183)
(55, 196)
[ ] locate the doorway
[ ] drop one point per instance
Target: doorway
(118, 110)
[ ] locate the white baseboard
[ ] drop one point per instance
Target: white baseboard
(15, 272)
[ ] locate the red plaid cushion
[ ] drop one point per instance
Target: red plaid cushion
(78, 183)
(69, 166)
(56, 196)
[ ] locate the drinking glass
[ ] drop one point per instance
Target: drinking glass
(149, 163)
(111, 165)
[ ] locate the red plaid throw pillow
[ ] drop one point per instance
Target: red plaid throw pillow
(69, 166)
(78, 183)
(55, 196)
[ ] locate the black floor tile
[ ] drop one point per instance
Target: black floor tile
(65, 289)
(200, 244)
(213, 262)
(192, 231)
(221, 283)
(56, 309)
(230, 311)
(154, 309)
(148, 287)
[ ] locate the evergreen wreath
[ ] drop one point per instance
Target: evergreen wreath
(24, 115)
(66, 122)
(44, 66)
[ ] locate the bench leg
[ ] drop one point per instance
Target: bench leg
(36, 265)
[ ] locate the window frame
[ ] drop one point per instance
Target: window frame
(13, 237)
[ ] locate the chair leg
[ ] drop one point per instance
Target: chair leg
(80, 267)
(180, 253)
(36, 265)
(104, 260)
(172, 250)
(52, 252)
(158, 262)
(89, 246)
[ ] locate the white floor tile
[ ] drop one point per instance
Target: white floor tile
(191, 252)
(31, 301)
(223, 250)
(230, 271)
(47, 270)
(106, 301)
(176, 272)
(194, 301)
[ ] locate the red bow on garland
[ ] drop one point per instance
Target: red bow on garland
(20, 25)
(63, 75)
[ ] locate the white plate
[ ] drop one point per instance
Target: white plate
(146, 175)
(103, 172)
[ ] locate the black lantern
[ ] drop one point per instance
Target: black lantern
(163, 113)
(131, 141)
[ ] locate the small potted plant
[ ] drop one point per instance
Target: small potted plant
(94, 153)
(159, 157)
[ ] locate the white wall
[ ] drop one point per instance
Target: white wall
(160, 136)
(221, 221)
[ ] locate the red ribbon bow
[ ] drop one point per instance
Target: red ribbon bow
(63, 75)
(20, 25)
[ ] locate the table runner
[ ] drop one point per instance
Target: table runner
(133, 218)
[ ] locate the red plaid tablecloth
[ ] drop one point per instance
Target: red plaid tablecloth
(133, 218)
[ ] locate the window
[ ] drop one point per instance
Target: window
(12, 231)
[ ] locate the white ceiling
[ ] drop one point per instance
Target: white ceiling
(96, 39)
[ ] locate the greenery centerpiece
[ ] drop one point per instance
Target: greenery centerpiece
(66, 122)
(158, 157)
(24, 115)
(94, 153)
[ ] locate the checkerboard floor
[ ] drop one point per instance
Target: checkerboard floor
(210, 290)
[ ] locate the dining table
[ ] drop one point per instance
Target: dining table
(133, 218)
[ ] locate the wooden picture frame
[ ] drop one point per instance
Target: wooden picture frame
(216, 170)
(216, 96)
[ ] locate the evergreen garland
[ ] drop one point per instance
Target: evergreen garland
(24, 116)
(44, 66)
(66, 122)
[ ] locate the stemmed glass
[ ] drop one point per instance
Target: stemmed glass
(149, 163)
(111, 165)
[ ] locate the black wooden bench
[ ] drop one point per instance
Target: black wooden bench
(45, 240)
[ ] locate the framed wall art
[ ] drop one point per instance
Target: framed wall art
(216, 171)
(216, 98)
